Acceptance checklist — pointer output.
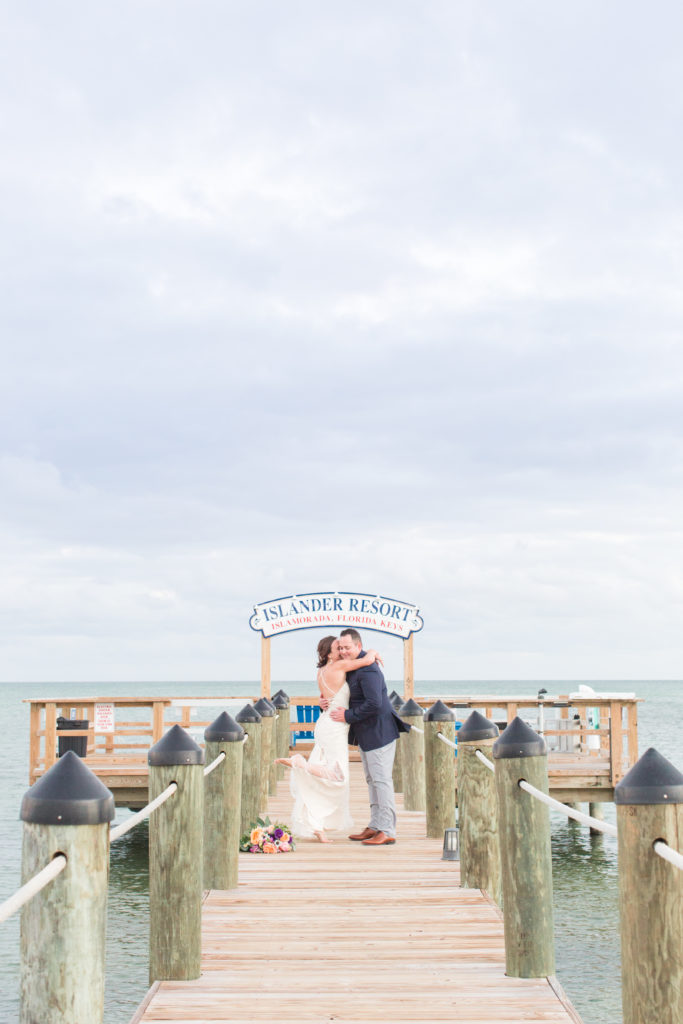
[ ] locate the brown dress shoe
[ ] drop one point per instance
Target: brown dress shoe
(367, 833)
(379, 839)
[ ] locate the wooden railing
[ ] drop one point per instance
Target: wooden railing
(568, 725)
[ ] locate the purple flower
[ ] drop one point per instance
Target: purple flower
(253, 849)
(278, 833)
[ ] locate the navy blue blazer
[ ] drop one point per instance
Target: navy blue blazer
(372, 719)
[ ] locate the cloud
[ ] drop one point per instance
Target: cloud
(301, 298)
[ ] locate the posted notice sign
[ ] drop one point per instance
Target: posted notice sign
(104, 718)
(336, 608)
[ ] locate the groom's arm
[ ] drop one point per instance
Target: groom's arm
(371, 683)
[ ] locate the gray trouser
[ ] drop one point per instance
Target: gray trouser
(378, 766)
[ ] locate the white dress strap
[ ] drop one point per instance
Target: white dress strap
(321, 674)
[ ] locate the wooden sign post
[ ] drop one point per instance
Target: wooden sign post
(408, 669)
(265, 666)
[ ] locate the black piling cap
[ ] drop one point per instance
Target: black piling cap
(396, 701)
(477, 727)
(439, 713)
(281, 694)
(270, 703)
(248, 714)
(265, 708)
(392, 696)
(68, 794)
(411, 709)
(280, 701)
(224, 730)
(519, 740)
(175, 747)
(652, 780)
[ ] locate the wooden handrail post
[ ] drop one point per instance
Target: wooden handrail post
(34, 743)
(176, 858)
(632, 718)
(616, 741)
(439, 770)
(268, 715)
(50, 734)
(413, 754)
(281, 703)
(251, 722)
(649, 803)
(524, 826)
(63, 927)
(478, 808)
(222, 802)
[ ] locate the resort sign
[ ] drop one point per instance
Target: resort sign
(331, 609)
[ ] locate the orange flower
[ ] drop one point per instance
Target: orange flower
(269, 848)
(256, 834)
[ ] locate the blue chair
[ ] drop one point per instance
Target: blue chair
(309, 713)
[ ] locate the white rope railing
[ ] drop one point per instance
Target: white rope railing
(33, 886)
(585, 819)
(664, 851)
(135, 819)
(484, 760)
(445, 739)
(421, 731)
(214, 764)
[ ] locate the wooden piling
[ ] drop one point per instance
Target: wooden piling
(478, 808)
(222, 802)
(413, 753)
(63, 927)
(251, 722)
(439, 770)
(268, 714)
(272, 769)
(176, 858)
(524, 828)
(282, 730)
(596, 810)
(649, 803)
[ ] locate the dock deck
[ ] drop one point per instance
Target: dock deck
(352, 933)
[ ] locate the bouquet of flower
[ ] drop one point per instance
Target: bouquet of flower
(264, 837)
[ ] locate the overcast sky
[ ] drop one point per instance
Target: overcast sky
(369, 296)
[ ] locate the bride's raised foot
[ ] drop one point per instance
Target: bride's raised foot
(322, 838)
(286, 761)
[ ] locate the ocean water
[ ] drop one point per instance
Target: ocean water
(584, 867)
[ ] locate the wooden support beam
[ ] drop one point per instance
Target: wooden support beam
(265, 666)
(408, 669)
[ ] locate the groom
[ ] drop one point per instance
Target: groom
(375, 727)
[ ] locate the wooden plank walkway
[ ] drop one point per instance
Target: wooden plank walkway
(352, 933)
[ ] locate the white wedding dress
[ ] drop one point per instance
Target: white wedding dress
(320, 785)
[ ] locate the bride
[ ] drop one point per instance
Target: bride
(320, 786)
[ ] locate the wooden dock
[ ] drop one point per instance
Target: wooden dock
(352, 933)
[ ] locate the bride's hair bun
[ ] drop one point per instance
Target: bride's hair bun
(324, 648)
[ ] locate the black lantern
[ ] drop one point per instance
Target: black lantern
(451, 844)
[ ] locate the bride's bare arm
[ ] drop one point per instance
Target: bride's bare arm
(349, 664)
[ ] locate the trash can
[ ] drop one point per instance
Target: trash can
(79, 744)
